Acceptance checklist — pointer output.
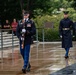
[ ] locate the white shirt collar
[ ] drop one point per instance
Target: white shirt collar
(26, 19)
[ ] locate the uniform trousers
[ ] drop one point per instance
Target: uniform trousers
(25, 54)
(67, 51)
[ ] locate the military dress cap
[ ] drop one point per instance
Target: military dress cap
(65, 12)
(26, 12)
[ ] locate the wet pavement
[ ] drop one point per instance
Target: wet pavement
(45, 59)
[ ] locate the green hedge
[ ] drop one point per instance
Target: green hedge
(52, 34)
(49, 34)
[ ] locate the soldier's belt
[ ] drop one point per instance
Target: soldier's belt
(66, 28)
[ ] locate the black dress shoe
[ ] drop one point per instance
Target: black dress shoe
(24, 71)
(66, 57)
(28, 68)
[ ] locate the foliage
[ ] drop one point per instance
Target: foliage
(10, 9)
(52, 34)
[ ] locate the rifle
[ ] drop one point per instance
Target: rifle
(23, 34)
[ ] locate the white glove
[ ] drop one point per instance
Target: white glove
(73, 36)
(23, 31)
(60, 36)
(22, 38)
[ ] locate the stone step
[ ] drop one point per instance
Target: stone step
(10, 42)
(10, 45)
(7, 40)
(8, 35)
(3, 32)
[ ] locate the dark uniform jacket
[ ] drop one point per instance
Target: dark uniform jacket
(75, 28)
(65, 31)
(30, 31)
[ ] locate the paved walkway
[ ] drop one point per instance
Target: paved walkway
(45, 59)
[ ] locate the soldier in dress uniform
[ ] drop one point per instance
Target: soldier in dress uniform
(75, 30)
(25, 30)
(65, 27)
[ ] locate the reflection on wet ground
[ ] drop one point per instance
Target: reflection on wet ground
(45, 59)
